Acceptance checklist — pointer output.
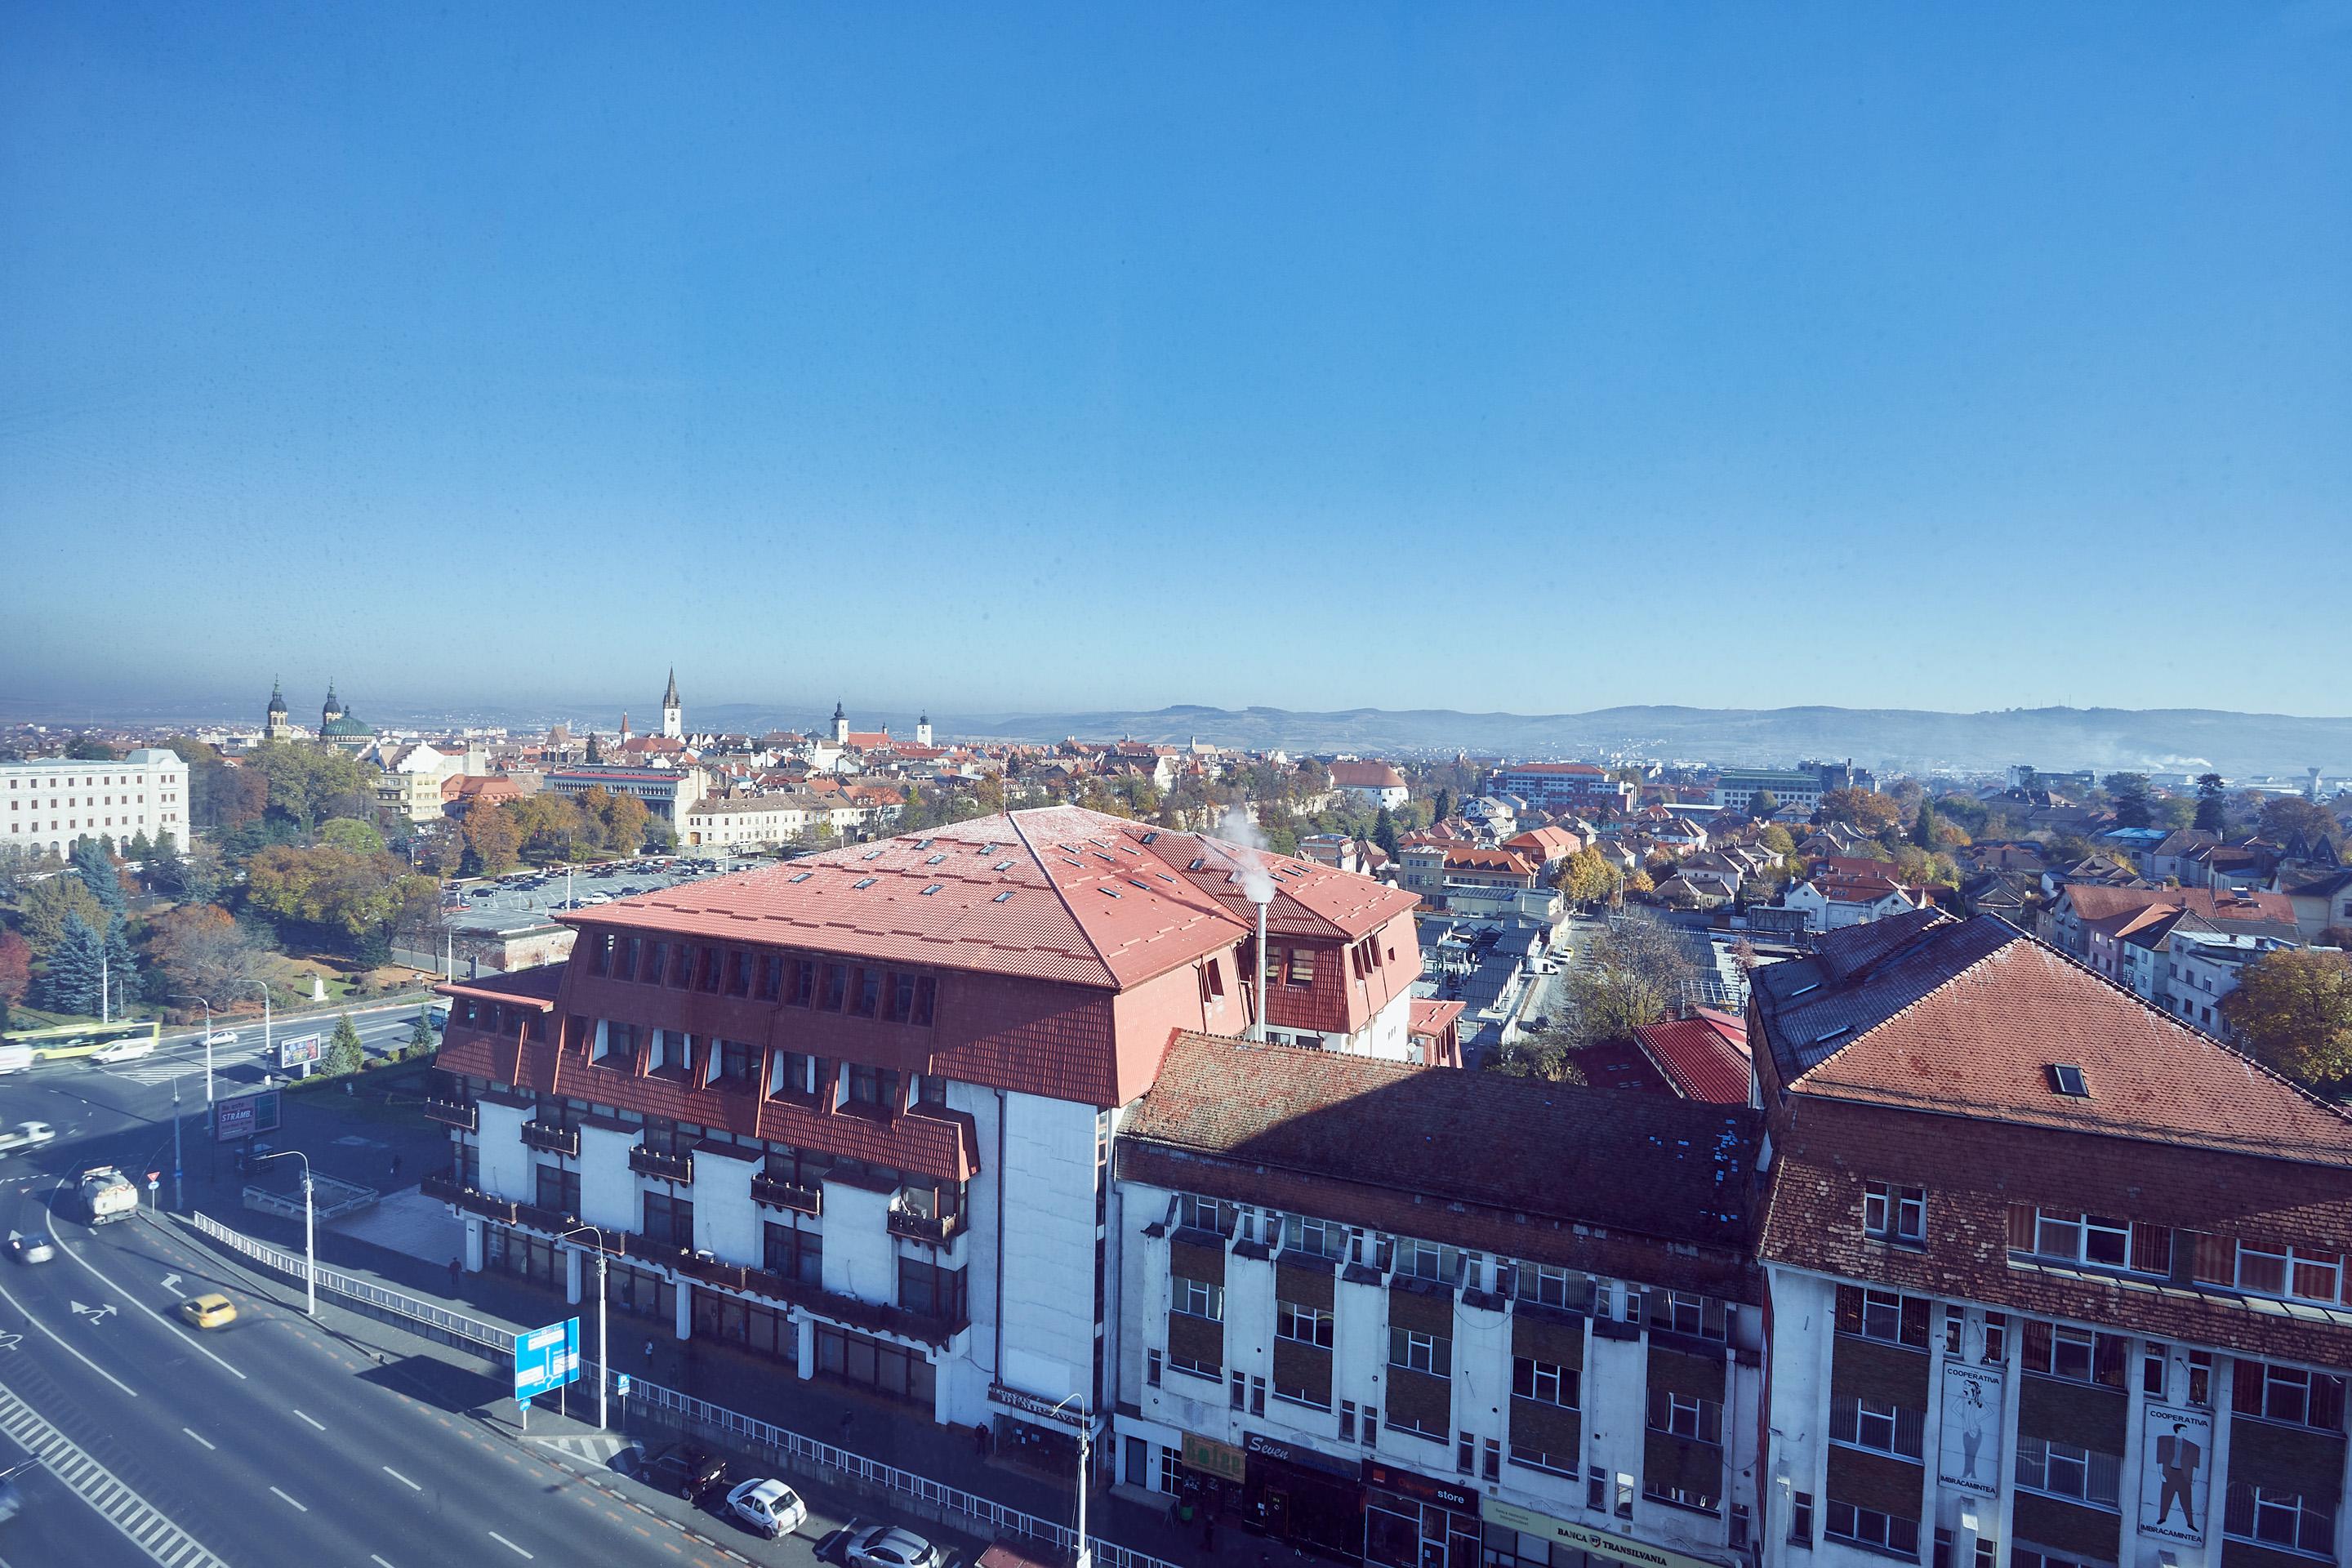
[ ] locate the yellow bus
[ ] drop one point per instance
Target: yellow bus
(24, 1048)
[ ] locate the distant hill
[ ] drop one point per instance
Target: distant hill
(2173, 740)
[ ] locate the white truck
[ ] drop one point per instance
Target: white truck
(107, 1195)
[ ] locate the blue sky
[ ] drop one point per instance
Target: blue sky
(999, 359)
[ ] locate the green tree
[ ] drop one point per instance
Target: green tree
(95, 868)
(1384, 832)
(493, 837)
(2285, 816)
(1444, 806)
(74, 971)
(140, 848)
(344, 1052)
(1923, 826)
(44, 910)
(2292, 1007)
(351, 833)
(422, 1042)
(1865, 810)
(89, 749)
(1763, 803)
(1776, 838)
(121, 963)
(2213, 804)
(2129, 794)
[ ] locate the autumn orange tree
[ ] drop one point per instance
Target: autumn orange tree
(2292, 1007)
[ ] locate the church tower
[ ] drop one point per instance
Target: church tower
(840, 724)
(673, 711)
(276, 726)
(923, 731)
(333, 710)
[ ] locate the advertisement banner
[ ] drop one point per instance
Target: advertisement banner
(1211, 1457)
(300, 1051)
(1600, 1542)
(1967, 1446)
(2176, 1451)
(245, 1116)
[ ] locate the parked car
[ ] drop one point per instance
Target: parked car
(684, 1469)
(124, 1051)
(888, 1546)
(768, 1506)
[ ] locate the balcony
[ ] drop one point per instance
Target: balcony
(444, 1185)
(778, 1194)
(462, 1114)
(871, 1316)
(551, 1139)
(936, 1229)
(648, 1161)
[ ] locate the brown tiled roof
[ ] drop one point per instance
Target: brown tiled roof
(1704, 1056)
(1366, 775)
(1664, 1167)
(2095, 902)
(1967, 1017)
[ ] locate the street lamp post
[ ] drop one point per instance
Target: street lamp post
(1084, 1558)
(264, 988)
(208, 1052)
(309, 1230)
(603, 1371)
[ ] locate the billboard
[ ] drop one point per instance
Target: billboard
(300, 1051)
(2176, 1452)
(245, 1115)
(1967, 1446)
(546, 1358)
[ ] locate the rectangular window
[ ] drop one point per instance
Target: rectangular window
(2289, 1395)
(902, 996)
(625, 966)
(707, 969)
(735, 1060)
(2061, 1470)
(1303, 1324)
(681, 966)
(1492, 1466)
(1800, 1518)
(772, 976)
(1885, 1315)
(1319, 1238)
(800, 976)
(1996, 1345)
(1240, 1391)
(2276, 1517)
(873, 1086)
(1371, 1427)
(926, 992)
(1418, 1351)
(835, 990)
(1868, 1527)
(1212, 1215)
(1553, 1287)
(1465, 1454)
(2201, 1379)
(866, 991)
(1545, 1381)
(1257, 1395)
(2152, 1369)
(1347, 1421)
(1685, 1416)
(1151, 1368)
(1881, 1426)
(1302, 967)
(600, 954)
(1892, 1212)
(2078, 1356)
(656, 952)
(1197, 1298)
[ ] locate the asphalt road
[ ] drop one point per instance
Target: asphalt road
(279, 1439)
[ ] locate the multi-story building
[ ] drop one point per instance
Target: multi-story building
(1736, 789)
(2053, 1279)
(2202, 967)
(669, 793)
(414, 782)
(1371, 785)
(761, 819)
(2090, 922)
(1438, 1319)
(1564, 786)
(54, 801)
(854, 1110)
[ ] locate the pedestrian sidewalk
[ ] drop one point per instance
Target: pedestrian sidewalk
(757, 1386)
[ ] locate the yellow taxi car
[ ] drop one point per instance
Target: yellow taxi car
(210, 1312)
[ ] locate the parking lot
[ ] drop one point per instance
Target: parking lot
(543, 892)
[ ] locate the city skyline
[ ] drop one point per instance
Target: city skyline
(1357, 357)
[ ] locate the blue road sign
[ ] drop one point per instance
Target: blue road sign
(623, 1390)
(546, 1358)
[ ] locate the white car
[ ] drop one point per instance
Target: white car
(124, 1051)
(769, 1506)
(221, 1037)
(36, 1132)
(888, 1546)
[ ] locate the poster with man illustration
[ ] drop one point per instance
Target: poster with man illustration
(2176, 1451)
(1968, 1444)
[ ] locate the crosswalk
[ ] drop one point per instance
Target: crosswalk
(163, 1069)
(146, 1528)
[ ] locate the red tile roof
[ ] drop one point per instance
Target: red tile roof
(1967, 1017)
(1432, 1018)
(1366, 775)
(2093, 902)
(1705, 1056)
(1664, 1167)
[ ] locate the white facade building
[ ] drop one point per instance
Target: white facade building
(53, 802)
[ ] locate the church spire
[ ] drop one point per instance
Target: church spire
(670, 698)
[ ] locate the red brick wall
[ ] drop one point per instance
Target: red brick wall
(1973, 1170)
(1338, 1002)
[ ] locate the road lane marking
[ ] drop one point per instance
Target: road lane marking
(67, 1247)
(152, 1531)
(313, 1420)
(404, 1481)
(67, 1348)
(379, 1562)
(290, 1500)
(509, 1545)
(206, 1442)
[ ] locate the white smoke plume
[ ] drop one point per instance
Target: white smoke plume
(1249, 860)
